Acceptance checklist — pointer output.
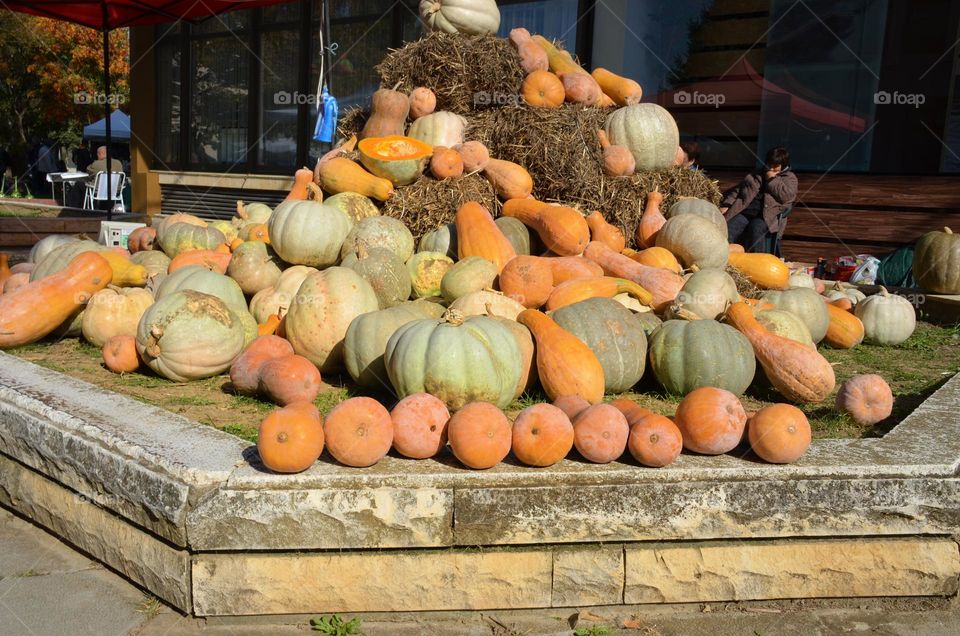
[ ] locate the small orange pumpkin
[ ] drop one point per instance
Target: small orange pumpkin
(480, 435)
(542, 435)
(445, 163)
(120, 354)
(423, 101)
(245, 370)
(528, 280)
(618, 161)
(291, 438)
(711, 420)
(542, 89)
(419, 425)
(289, 379)
(359, 432)
(779, 433)
(299, 191)
(867, 398)
(600, 433)
(475, 156)
(654, 440)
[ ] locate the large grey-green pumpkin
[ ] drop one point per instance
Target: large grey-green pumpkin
(59, 257)
(807, 304)
(189, 335)
(45, 245)
(183, 237)
(308, 233)
(155, 261)
(936, 262)
(686, 355)
(385, 272)
(615, 336)
(648, 131)
(649, 321)
(381, 231)
(516, 232)
(888, 319)
(255, 266)
(467, 276)
(353, 204)
(787, 325)
(367, 336)
(426, 271)
(701, 208)
(694, 241)
(201, 279)
(707, 293)
(443, 240)
(455, 359)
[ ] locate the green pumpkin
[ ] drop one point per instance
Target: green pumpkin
(936, 262)
(701, 208)
(426, 271)
(321, 311)
(649, 321)
(46, 245)
(467, 276)
(516, 232)
(614, 335)
(807, 304)
(443, 240)
(786, 324)
(248, 213)
(354, 205)
(455, 359)
(201, 279)
(887, 319)
(59, 257)
(707, 293)
(255, 266)
(380, 231)
(189, 335)
(183, 237)
(308, 233)
(694, 241)
(648, 131)
(686, 355)
(367, 336)
(154, 261)
(249, 324)
(228, 229)
(385, 272)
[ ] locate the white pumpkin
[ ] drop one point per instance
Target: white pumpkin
(114, 311)
(887, 319)
(802, 279)
(308, 233)
(276, 298)
(648, 131)
(441, 128)
(473, 17)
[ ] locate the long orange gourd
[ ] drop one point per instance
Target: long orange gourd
(509, 180)
(845, 330)
(573, 291)
(763, 270)
(798, 372)
(29, 313)
(5, 272)
(478, 235)
(340, 174)
(566, 365)
(566, 268)
(650, 221)
(604, 232)
(299, 191)
(622, 90)
(562, 229)
(662, 283)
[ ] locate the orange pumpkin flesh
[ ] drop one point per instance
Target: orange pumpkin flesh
(291, 438)
(711, 421)
(600, 433)
(867, 398)
(289, 379)
(120, 354)
(480, 435)
(779, 433)
(359, 432)
(542, 435)
(419, 426)
(654, 440)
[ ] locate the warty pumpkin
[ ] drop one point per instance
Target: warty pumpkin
(651, 221)
(34, 310)
(423, 101)
(936, 262)
(291, 438)
(763, 270)
(797, 372)
(542, 89)
(532, 57)
(388, 115)
(201, 279)
(617, 160)
(380, 231)
(478, 235)
(604, 232)
(356, 206)
(384, 270)
(565, 364)
(664, 285)
(577, 290)
(343, 175)
(622, 90)
(562, 229)
(180, 237)
(427, 270)
(510, 180)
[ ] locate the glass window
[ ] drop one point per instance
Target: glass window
(167, 141)
(232, 21)
(286, 12)
(553, 19)
(219, 102)
(280, 99)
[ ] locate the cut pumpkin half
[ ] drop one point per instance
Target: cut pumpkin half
(401, 160)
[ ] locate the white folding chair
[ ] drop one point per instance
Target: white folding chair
(97, 191)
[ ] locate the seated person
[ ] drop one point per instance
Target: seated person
(752, 208)
(691, 155)
(100, 165)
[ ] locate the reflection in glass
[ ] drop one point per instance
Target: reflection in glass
(167, 146)
(218, 131)
(279, 99)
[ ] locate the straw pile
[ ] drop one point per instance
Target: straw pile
(427, 203)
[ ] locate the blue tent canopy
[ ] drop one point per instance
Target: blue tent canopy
(119, 127)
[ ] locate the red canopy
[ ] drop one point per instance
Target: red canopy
(104, 15)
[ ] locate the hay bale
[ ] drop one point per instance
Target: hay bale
(427, 203)
(467, 72)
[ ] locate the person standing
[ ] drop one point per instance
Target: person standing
(752, 209)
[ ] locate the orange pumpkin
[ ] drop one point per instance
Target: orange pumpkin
(120, 354)
(763, 270)
(664, 285)
(300, 191)
(291, 438)
(736, 248)
(562, 229)
(711, 420)
(475, 156)
(510, 180)
(566, 365)
(600, 433)
(210, 259)
(651, 221)
(843, 303)
(419, 425)
(256, 232)
(604, 232)
(542, 89)
(289, 379)
(16, 281)
(654, 440)
(622, 90)
(566, 268)
(141, 239)
(542, 435)
(445, 163)
(532, 57)
(571, 405)
(5, 272)
(618, 161)
(656, 257)
(573, 291)
(423, 101)
(867, 398)
(245, 370)
(388, 114)
(631, 410)
(845, 330)
(478, 235)
(581, 88)
(528, 280)
(480, 435)
(359, 432)
(779, 433)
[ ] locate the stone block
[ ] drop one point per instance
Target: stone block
(738, 571)
(588, 576)
(243, 584)
(147, 561)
